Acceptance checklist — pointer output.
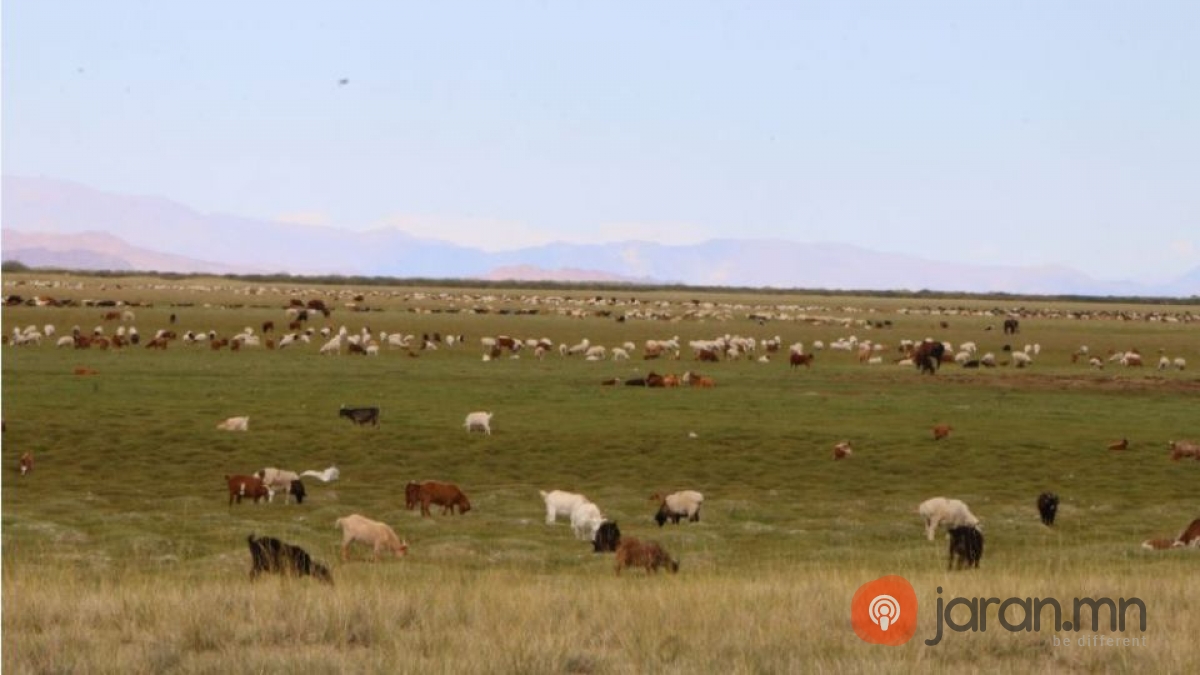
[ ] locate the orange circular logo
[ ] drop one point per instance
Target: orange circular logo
(884, 611)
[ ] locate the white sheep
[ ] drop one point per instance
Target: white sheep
(1021, 359)
(373, 533)
(479, 420)
(950, 512)
(685, 503)
(619, 353)
(1179, 363)
(561, 503)
(585, 520)
(235, 424)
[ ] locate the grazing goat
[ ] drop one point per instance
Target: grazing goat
(951, 512)
(608, 537)
(235, 424)
(445, 495)
(682, 504)
(367, 415)
(585, 520)
(373, 533)
(1047, 504)
(560, 503)
(246, 486)
(268, 554)
(1122, 444)
(25, 464)
(941, 431)
(326, 476)
(479, 420)
(278, 480)
(842, 450)
(650, 555)
(966, 543)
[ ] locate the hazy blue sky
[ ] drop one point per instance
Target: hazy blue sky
(1001, 132)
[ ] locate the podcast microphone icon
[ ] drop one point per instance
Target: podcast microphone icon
(884, 610)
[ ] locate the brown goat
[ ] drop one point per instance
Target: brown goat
(634, 553)
(25, 465)
(246, 486)
(941, 431)
(445, 495)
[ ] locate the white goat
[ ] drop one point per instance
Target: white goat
(560, 503)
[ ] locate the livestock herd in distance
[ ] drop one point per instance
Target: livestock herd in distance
(926, 354)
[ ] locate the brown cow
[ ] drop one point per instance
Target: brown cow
(246, 486)
(445, 495)
(634, 553)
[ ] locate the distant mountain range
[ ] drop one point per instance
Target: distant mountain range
(60, 224)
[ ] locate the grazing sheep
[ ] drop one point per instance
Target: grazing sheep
(842, 450)
(941, 431)
(966, 543)
(479, 420)
(650, 555)
(585, 520)
(560, 503)
(373, 533)
(685, 503)
(950, 512)
(1047, 504)
(235, 424)
(1181, 449)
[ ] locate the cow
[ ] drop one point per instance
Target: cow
(246, 486)
(1047, 504)
(361, 416)
(966, 543)
(650, 555)
(268, 554)
(445, 495)
(608, 537)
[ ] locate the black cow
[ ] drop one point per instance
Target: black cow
(1047, 504)
(966, 543)
(928, 356)
(361, 415)
(608, 537)
(1012, 326)
(268, 554)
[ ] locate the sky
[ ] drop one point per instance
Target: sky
(1017, 133)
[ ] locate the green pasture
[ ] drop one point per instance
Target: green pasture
(128, 490)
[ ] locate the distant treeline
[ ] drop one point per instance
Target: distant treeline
(598, 286)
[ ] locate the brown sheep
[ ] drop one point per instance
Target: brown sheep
(634, 553)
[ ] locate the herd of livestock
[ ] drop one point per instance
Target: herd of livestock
(587, 521)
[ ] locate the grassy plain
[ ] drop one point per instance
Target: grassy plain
(121, 555)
